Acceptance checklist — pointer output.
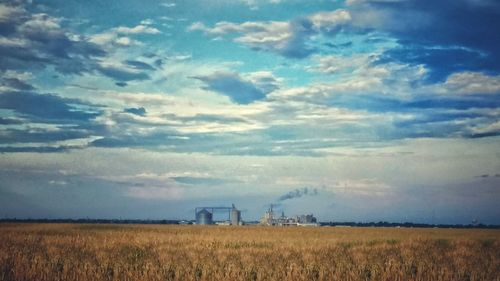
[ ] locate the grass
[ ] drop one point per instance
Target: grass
(144, 252)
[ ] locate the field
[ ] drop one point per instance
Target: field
(163, 252)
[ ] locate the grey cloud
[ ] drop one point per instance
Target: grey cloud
(37, 149)
(137, 111)
(122, 74)
(254, 142)
(488, 175)
(37, 40)
(158, 63)
(484, 135)
(69, 119)
(139, 65)
(45, 107)
(445, 36)
(296, 46)
(200, 180)
(238, 89)
(11, 202)
(34, 136)
(10, 17)
(80, 197)
(16, 84)
(10, 121)
(150, 141)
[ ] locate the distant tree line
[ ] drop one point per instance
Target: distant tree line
(408, 224)
(142, 221)
(103, 221)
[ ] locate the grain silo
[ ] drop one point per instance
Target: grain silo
(204, 217)
(235, 216)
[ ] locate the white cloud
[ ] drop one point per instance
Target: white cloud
(58, 182)
(486, 128)
(13, 42)
(330, 20)
(255, 4)
(9, 13)
(147, 22)
(168, 5)
(42, 22)
(284, 37)
(360, 73)
(181, 114)
(197, 26)
(336, 64)
(471, 83)
(124, 41)
(354, 83)
(270, 36)
(22, 76)
(139, 29)
(111, 39)
(253, 31)
(114, 36)
(252, 4)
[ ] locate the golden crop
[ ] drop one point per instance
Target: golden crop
(144, 252)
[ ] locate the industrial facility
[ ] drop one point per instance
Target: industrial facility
(205, 215)
(232, 216)
(270, 218)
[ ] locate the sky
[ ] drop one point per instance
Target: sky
(355, 110)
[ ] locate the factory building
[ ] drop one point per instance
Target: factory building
(270, 218)
(204, 215)
(307, 219)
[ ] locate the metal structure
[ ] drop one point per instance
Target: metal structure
(204, 215)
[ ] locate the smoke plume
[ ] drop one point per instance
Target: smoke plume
(297, 193)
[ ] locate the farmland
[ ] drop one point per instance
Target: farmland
(168, 252)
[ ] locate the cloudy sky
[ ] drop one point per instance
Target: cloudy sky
(356, 110)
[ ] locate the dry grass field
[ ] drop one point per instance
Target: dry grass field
(144, 252)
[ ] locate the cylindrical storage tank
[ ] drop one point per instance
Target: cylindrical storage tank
(235, 217)
(204, 217)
